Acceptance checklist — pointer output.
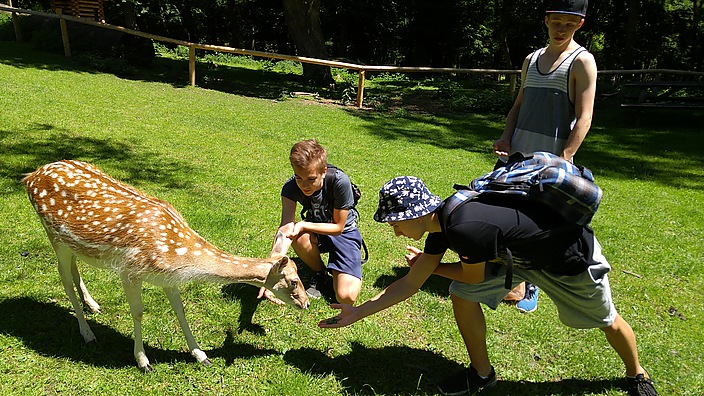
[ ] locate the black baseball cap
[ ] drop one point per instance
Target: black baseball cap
(572, 7)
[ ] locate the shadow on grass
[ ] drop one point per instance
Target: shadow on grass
(247, 296)
(401, 370)
(264, 84)
(40, 144)
(658, 145)
(435, 285)
(53, 331)
(654, 145)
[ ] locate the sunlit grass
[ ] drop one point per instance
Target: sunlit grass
(221, 159)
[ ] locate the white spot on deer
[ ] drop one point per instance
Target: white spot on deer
(103, 229)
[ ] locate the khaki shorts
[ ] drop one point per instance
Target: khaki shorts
(583, 301)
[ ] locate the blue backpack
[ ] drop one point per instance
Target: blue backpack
(544, 178)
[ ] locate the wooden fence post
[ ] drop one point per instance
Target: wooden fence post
(512, 85)
(64, 35)
(360, 89)
(192, 65)
(15, 23)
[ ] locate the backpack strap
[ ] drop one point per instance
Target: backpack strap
(329, 197)
(329, 185)
(366, 252)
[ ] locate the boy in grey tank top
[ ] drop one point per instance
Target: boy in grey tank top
(554, 106)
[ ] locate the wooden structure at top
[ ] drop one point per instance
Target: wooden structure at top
(92, 9)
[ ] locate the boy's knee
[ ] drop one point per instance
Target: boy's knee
(460, 302)
(618, 325)
(305, 241)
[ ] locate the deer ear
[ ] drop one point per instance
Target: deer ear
(281, 264)
(281, 245)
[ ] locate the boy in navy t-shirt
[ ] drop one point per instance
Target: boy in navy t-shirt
(326, 227)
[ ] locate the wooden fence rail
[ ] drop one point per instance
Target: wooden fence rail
(361, 69)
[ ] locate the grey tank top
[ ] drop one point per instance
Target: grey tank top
(547, 115)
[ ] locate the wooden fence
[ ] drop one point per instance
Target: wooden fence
(361, 69)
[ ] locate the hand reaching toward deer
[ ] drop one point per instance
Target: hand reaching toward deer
(266, 293)
(347, 316)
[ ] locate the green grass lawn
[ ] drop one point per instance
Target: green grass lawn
(221, 158)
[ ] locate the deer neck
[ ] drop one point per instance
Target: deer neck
(211, 263)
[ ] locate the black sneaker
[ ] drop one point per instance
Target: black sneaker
(465, 381)
(641, 386)
(315, 284)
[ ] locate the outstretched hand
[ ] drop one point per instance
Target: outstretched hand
(266, 293)
(346, 317)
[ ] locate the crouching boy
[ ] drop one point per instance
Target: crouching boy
(326, 227)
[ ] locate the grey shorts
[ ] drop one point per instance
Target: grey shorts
(583, 301)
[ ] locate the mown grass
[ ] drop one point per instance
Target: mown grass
(221, 159)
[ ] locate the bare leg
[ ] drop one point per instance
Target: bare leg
(346, 287)
(622, 338)
(472, 325)
(306, 247)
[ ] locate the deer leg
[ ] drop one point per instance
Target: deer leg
(177, 305)
(133, 292)
(66, 260)
(82, 290)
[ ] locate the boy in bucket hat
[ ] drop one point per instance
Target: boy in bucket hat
(553, 109)
(477, 231)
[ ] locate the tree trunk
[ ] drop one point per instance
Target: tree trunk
(696, 62)
(632, 20)
(303, 21)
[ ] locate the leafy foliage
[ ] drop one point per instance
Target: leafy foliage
(220, 159)
(440, 33)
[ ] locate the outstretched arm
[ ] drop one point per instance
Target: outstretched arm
(398, 291)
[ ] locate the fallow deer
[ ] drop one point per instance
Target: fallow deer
(108, 224)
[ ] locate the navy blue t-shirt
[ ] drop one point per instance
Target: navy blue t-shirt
(317, 210)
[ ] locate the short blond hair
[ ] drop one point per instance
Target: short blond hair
(308, 153)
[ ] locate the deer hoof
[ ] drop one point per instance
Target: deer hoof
(207, 362)
(147, 369)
